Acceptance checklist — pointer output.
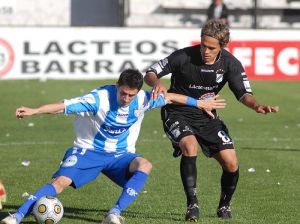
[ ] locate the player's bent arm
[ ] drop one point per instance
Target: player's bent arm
(208, 104)
(249, 101)
(55, 108)
(158, 87)
(151, 79)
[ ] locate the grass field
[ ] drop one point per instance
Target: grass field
(263, 142)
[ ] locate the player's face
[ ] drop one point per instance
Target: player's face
(126, 95)
(210, 48)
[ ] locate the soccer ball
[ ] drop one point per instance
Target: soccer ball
(48, 210)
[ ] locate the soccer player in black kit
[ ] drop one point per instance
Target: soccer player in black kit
(201, 71)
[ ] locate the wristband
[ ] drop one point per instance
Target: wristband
(190, 101)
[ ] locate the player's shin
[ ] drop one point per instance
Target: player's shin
(26, 207)
(229, 182)
(188, 172)
(130, 191)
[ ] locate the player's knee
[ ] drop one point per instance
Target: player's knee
(227, 159)
(60, 183)
(189, 146)
(231, 166)
(144, 166)
(189, 149)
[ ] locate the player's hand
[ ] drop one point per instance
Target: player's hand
(264, 109)
(158, 89)
(24, 111)
(212, 103)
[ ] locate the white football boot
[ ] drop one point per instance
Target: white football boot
(113, 218)
(11, 219)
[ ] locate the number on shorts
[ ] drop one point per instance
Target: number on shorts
(224, 136)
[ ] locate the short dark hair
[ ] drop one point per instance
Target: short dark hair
(132, 78)
(218, 30)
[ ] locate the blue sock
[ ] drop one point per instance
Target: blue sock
(26, 207)
(130, 191)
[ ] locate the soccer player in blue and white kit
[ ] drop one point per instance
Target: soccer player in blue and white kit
(107, 125)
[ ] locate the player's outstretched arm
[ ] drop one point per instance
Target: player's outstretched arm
(208, 104)
(55, 108)
(249, 101)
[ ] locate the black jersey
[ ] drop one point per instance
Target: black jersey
(191, 77)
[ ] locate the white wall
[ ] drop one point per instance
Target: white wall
(35, 12)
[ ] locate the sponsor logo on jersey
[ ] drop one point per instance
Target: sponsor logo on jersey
(158, 67)
(113, 131)
(207, 96)
(247, 86)
(138, 112)
(219, 75)
(207, 70)
(163, 62)
(246, 82)
(70, 161)
(122, 115)
(193, 86)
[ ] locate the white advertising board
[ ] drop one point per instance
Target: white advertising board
(102, 53)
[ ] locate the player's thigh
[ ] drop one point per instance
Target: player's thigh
(189, 145)
(78, 176)
(118, 169)
(60, 183)
(214, 137)
(176, 128)
(81, 166)
(141, 164)
(227, 159)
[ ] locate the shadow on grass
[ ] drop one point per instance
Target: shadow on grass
(271, 149)
(79, 213)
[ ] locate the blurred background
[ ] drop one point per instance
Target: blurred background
(76, 39)
(245, 14)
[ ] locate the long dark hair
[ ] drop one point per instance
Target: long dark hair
(218, 30)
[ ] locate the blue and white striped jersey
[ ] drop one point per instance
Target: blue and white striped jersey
(101, 124)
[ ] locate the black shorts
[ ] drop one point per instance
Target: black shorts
(211, 134)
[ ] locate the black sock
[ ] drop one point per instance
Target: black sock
(188, 172)
(228, 185)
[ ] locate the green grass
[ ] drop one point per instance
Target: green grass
(263, 142)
